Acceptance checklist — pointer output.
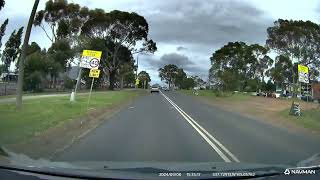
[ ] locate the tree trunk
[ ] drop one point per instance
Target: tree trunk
(293, 84)
(5, 83)
(51, 81)
(112, 78)
(23, 56)
(55, 82)
(121, 85)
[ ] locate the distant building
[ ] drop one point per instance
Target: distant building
(9, 77)
(315, 91)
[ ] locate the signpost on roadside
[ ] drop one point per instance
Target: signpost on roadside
(137, 82)
(303, 72)
(303, 77)
(94, 73)
(90, 59)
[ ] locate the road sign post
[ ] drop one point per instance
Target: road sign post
(303, 72)
(308, 92)
(90, 59)
(78, 80)
(137, 82)
(94, 73)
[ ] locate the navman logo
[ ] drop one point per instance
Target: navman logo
(299, 171)
(287, 172)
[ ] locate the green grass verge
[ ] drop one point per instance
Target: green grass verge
(32, 94)
(225, 95)
(8, 96)
(40, 114)
(308, 119)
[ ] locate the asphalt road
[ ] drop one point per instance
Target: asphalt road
(174, 127)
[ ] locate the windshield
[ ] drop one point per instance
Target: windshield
(160, 82)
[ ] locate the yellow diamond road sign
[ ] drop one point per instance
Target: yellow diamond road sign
(90, 59)
(137, 82)
(94, 73)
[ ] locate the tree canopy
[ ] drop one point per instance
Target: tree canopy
(2, 3)
(2, 30)
(115, 33)
(175, 76)
(282, 71)
(236, 63)
(12, 48)
(64, 19)
(144, 78)
(298, 40)
(119, 32)
(168, 73)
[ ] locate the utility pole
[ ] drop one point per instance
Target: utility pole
(136, 86)
(24, 54)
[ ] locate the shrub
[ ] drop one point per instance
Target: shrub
(69, 83)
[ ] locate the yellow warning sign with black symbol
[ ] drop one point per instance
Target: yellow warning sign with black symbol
(137, 81)
(90, 59)
(94, 73)
(303, 72)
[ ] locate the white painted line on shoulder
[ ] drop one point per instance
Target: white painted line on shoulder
(204, 133)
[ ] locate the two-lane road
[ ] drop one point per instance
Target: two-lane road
(172, 127)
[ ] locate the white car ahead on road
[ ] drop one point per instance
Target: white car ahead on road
(155, 89)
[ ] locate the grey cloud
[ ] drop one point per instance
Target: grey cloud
(15, 22)
(153, 64)
(181, 48)
(207, 22)
(202, 27)
(177, 59)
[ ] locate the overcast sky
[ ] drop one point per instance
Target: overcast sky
(187, 32)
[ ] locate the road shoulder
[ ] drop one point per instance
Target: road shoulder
(56, 139)
(256, 108)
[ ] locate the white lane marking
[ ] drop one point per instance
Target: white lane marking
(221, 154)
(196, 126)
(208, 134)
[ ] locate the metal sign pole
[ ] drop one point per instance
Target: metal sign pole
(90, 93)
(78, 80)
(136, 86)
(308, 92)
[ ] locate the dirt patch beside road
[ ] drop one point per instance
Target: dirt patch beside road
(265, 109)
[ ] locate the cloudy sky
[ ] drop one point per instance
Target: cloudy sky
(187, 32)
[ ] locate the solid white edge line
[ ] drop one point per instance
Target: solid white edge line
(221, 154)
(207, 133)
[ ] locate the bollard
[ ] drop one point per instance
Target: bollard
(72, 97)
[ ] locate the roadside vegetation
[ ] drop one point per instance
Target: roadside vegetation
(241, 67)
(38, 115)
(71, 28)
(212, 94)
(308, 119)
(238, 66)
